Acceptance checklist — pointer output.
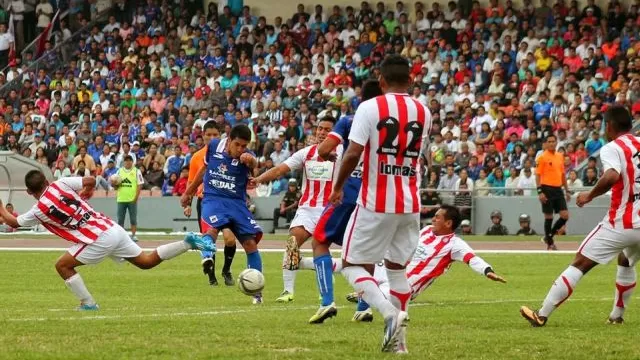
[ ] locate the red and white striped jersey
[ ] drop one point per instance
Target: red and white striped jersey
(317, 175)
(623, 156)
(392, 129)
(434, 256)
(62, 211)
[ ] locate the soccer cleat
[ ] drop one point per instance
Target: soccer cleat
(198, 242)
(532, 317)
(228, 279)
(257, 299)
(88, 307)
(134, 238)
(401, 348)
(324, 313)
(292, 258)
(616, 321)
(207, 269)
(285, 297)
(363, 316)
(352, 297)
(552, 247)
(392, 331)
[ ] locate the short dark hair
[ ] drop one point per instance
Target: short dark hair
(551, 136)
(35, 181)
(452, 213)
(329, 118)
(395, 70)
(619, 117)
(210, 125)
(371, 89)
(240, 131)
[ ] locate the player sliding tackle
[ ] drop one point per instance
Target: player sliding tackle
(225, 177)
(439, 247)
(618, 235)
(62, 209)
(317, 180)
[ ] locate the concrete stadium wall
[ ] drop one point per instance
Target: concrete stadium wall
(285, 8)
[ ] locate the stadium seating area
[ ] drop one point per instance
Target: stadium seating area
(498, 79)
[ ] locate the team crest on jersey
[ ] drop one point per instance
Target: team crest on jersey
(222, 169)
(234, 162)
(213, 219)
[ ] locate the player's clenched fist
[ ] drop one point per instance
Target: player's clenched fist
(247, 159)
(583, 199)
(336, 197)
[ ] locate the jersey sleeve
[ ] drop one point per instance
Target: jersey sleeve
(295, 161)
(463, 252)
(211, 149)
(610, 158)
(29, 218)
(362, 122)
(539, 165)
(139, 177)
(340, 132)
(70, 183)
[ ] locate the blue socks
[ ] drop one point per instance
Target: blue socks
(324, 277)
(208, 254)
(362, 305)
(254, 261)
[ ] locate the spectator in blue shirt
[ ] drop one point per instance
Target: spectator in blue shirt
(542, 108)
(594, 144)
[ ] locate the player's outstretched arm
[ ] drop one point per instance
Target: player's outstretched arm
(463, 252)
(273, 174)
(7, 217)
(603, 185)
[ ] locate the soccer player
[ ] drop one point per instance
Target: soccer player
(317, 180)
(439, 247)
(62, 209)
(333, 222)
(387, 133)
(551, 180)
(228, 168)
(210, 132)
(619, 231)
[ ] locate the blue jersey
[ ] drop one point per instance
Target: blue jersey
(226, 177)
(352, 186)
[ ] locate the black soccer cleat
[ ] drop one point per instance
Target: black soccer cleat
(207, 269)
(228, 279)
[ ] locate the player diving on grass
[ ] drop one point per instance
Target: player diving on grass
(317, 181)
(210, 131)
(618, 234)
(439, 247)
(62, 209)
(225, 177)
(333, 221)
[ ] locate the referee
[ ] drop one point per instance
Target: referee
(550, 179)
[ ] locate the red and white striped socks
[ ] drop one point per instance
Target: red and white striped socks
(561, 290)
(625, 284)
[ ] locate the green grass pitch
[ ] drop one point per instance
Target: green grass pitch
(171, 313)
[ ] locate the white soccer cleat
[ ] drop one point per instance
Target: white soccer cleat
(363, 316)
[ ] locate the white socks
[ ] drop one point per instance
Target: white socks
(366, 285)
(77, 287)
(289, 279)
(560, 291)
(399, 288)
(306, 263)
(169, 251)
(625, 284)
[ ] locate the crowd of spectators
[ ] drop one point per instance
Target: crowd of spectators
(498, 80)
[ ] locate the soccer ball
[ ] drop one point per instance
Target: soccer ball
(250, 282)
(115, 180)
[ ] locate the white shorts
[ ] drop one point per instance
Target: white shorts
(372, 236)
(114, 243)
(604, 243)
(307, 217)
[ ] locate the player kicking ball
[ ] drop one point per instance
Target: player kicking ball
(618, 235)
(225, 177)
(62, 209)
(333, 221)
(439, 247)
(317, 180)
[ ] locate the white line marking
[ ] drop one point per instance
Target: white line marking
(250, 309)
(525, 252)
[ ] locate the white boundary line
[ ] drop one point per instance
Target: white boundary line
(522, 252)
(251, 309)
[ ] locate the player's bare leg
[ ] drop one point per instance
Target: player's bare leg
(66, 267)
(291, 261)
(560, 291)
(229, 254)
(254, 260)
(625, 285)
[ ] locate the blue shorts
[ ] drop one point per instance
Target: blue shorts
(232, 214)
(333, 224)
